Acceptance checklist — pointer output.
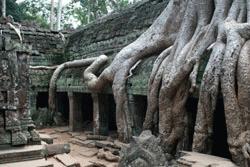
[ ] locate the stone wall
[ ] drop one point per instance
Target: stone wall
(16, 126)
(46, 47)
(108, 36)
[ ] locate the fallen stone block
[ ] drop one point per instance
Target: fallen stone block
(46, 138)
(96, 164)
(62, 129)
(82, 138)
(74, 134)
(96, 137)
(67, 160)
(103, 144)
(120, 145)
(88, 152)
(193, 159)
(107, 155)
(54, 149)
(86, 143)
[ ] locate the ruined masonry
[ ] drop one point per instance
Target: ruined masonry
(24, 91)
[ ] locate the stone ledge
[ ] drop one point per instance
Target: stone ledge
(193, 159)
(25, 153)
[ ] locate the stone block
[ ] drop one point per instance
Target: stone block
(86, 143)
(46, 138)
(193, 159)
(54, 149)
(67, 160)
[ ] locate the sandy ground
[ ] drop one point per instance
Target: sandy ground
(84, 155)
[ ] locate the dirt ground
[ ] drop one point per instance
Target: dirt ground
(82, 150)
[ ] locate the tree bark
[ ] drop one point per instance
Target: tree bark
(183, 34)
(3, 8)
(56, 75)
(59, 14)
(52, 15)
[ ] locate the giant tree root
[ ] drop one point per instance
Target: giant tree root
(183, 33)
(57, 73)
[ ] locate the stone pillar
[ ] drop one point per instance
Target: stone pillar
(100, 114)
(32, 101)
(75, 112)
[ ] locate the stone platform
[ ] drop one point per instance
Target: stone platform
(25, 153)
(32, 163)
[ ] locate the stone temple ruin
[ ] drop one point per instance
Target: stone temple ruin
(24, 91)
(17, 127)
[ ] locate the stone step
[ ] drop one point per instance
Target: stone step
(193, 159)
(32, 163)
(24, 153)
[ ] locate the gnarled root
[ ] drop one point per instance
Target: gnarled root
(57, 73)
(198, 25)
(207, 101)
(158, 37)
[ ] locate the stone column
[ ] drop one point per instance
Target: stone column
(75, 111)
(32, 101)
(100, 114)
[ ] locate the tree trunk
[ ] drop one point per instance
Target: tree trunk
(3, 8)
(59, 14)
(52, 15)
(184, 33)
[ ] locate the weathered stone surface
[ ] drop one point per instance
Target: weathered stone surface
(82, 138)
(86, 152)
(46, 138)
(25, 153)
(120, 145)
(86, 143)
(62, 129)
(192, 159)
(67, 160)
(74, 134)
(104, 144)
(15, 119)
(144, 151)
(107, 155)
(54, 149)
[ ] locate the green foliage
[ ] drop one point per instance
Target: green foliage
(90, 10)
(14, 10)
(82, 11)
(36, 11)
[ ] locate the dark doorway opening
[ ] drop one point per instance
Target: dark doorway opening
(63, 107)
(87, 111)
(42, 100)
(219, 139)
(111, 114)
(139, 109)
(191, 107)
(220, 146)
